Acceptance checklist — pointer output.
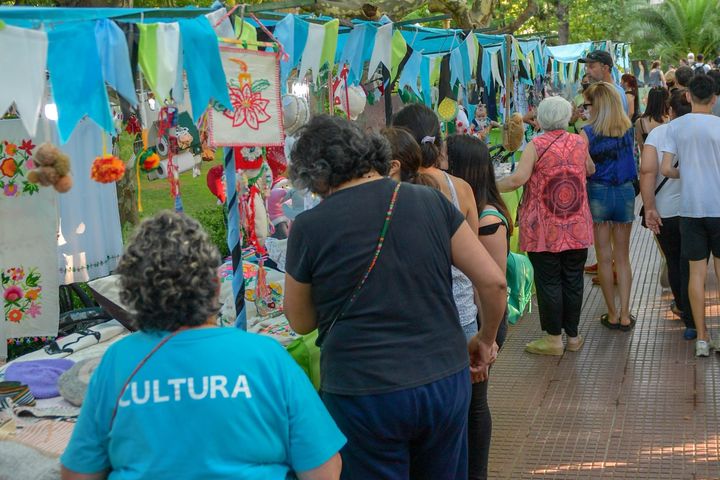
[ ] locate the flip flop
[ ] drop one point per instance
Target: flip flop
(605, 321)
(629, 326)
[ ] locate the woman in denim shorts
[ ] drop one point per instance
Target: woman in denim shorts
(612, 197)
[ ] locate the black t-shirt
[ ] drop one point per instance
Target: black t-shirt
(403, 330)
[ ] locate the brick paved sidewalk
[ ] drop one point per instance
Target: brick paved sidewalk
(633, 405)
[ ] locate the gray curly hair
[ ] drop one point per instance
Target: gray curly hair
(168, 273)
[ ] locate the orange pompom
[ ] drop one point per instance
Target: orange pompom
(107, 169)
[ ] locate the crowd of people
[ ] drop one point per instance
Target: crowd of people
(402, 270)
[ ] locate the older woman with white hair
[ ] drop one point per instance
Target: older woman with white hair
(555, 223)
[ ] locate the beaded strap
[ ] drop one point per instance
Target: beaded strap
(378, 249)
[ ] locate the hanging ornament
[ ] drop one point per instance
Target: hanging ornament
(107, 169)
(52, 168)
(133, 125)
(248, 158)
(149, 160)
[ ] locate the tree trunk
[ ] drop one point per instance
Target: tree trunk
(563, 18)
(127, 200)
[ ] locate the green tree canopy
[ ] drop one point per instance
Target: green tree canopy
(670, 30)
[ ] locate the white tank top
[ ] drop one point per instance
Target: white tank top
(463, 292)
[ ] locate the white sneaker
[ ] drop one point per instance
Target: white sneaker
(702, 348)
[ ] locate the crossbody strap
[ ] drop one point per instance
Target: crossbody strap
(356, 291)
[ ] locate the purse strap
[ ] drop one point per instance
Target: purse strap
(356, 291)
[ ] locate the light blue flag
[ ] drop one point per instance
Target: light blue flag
(358, 50)
(76, 77)
(456, 67)
(411, 72)
(115, 59)
(352, 52)
(465, 57)
(201, 60)
(292, 33)
(425, 81)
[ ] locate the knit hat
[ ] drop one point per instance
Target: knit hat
(40, 375)
(73, 384)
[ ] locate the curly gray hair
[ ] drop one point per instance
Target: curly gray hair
(168, 273)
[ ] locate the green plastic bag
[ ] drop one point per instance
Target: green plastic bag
(520, 280)
(307, 355)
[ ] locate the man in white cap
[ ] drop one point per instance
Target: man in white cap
(691, 59)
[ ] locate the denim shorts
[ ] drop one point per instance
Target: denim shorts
(611, 203)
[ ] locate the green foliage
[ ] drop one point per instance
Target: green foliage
(672, 29)
(214, 222)
(588, 19)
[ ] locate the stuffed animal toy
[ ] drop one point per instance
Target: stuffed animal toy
(52, 168)
(513, 133)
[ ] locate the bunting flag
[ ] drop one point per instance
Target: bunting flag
(159, 56)
(246, 32)
(473, 52)
(382, 50)
(77, 82)
(457, 68)
(330, 41)
(357, 50)
(311, 57)
(205, 75)
(220, 22)
(425, 68)
(292, 33)
(115, 59)
(22, 63)
(411, 73)
(399, 50)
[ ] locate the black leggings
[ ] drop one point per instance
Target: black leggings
(480, 422)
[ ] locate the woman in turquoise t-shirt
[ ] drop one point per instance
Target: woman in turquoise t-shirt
(182, 398)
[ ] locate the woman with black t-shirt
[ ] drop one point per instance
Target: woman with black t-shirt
(370, 267)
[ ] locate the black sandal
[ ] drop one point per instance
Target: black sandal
(629, 326)
(605, 321)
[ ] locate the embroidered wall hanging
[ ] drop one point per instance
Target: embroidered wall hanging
(28, 241)
(253, 79)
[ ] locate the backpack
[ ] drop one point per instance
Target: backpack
(520, 278)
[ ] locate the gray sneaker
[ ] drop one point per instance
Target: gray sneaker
(702, 348)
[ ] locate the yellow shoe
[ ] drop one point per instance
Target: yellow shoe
(544, 346)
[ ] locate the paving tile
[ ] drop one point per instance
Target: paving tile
(633, 405)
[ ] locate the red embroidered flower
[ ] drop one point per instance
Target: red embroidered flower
(15, 316)
(8, 167)
(13, 294)
(250, 107)
(27, 146)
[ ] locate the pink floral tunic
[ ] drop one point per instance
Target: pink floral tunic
(554, 215)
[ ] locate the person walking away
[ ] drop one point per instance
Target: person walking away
(599, 65)
(555, 223)
(657, 78)
(683, 75)
(661, 201)
(394, 359)
(469, 159)
(700, 66)
(612, 197)
(630, 85)
(695, 140)
(655, 114)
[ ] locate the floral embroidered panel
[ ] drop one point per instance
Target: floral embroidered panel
(254, 84)
(28, 240)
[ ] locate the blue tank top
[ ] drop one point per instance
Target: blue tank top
(613, 156)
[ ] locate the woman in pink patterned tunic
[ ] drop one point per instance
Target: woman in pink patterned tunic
(555, 223)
